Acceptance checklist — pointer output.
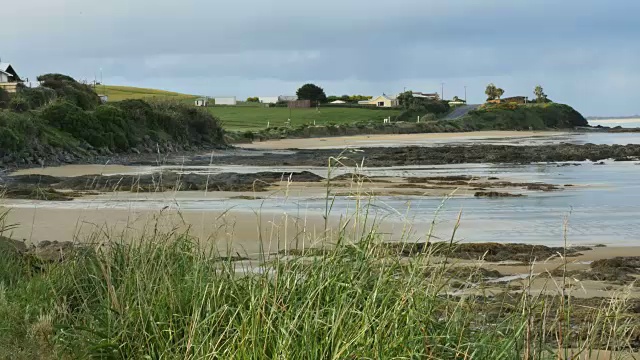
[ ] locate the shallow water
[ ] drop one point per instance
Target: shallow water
(603, 207)
(625, 123)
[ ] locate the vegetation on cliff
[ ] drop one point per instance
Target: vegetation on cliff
(64, 119)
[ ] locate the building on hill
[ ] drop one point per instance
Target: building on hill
(9, 78)
(383, 100)
(421, 95)
(516, 99)
(203, 102)
(230, 100)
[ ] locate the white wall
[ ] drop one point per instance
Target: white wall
(225, 100)
(268, 99)
(3, 78)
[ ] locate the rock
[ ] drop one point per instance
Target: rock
(53, 251)
(618, 270)
(135, 151)
(10, 246)
(495, 194)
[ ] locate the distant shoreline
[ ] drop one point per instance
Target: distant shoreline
(604, 118)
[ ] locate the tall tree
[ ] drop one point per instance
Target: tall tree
(541, 97)
(311, 92)
(493, 92)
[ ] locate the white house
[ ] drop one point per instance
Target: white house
(202, 102)
(231, 100)
(337, 102)
(9, 79)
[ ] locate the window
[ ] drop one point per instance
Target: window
(381, 103)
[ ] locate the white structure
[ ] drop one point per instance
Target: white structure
(285, 98)
(226, 100)
(338, 102)
(103, 98)
(202, 102)
(9, 79)
(268, 99)
(421, 95)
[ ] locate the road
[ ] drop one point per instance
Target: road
(461, 111)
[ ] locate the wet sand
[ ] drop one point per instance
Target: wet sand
(83, 169)
(245, 232)
(392, 139)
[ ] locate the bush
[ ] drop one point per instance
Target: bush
(19, 104)
(37, 97)
(5, 98)
(67, 88)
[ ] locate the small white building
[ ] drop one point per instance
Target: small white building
(202, 102)
(287, 98)
(225, 100)
(337, 102)
(268, 99)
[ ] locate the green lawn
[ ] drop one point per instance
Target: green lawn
(119, 93)
(255, 118)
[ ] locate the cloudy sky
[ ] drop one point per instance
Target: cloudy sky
(583, 52)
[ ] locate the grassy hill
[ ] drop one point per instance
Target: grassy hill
(119, 93)
(256, 118)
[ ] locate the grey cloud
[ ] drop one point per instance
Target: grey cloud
(203, 46)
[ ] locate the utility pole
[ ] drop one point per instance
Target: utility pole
(465, 94)
(442, 92)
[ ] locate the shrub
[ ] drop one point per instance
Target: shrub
(67, 88)
(19, 104)
(37, 97)
(5, 98)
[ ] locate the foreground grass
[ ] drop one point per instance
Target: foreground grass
(119, 93)
(165, 297)
(255, 118)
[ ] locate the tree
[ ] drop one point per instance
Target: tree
(541, 97)
(493, 92)
(253, 99)
(406, 99)
(311, 92)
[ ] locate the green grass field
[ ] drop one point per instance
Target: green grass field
(252, 116)
(119, 93)
(255, 118)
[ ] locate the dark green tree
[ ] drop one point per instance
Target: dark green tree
(312, 92)
(406, 99)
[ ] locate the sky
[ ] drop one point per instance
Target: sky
(583, 52)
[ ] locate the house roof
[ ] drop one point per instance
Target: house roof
(388, 97)
(8, 69)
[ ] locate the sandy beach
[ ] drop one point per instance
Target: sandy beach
(395, 139)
